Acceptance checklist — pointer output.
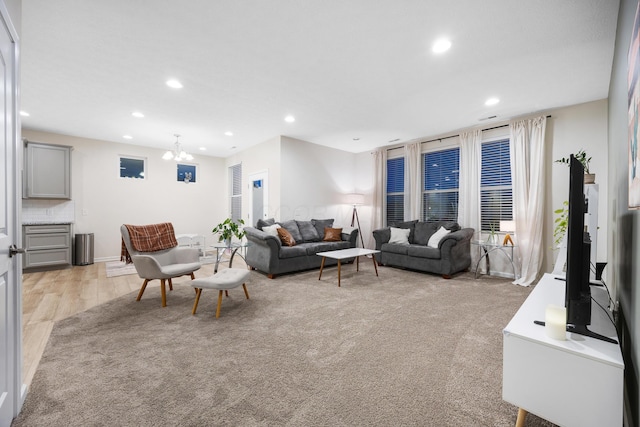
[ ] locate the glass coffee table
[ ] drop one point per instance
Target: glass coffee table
(341, 254)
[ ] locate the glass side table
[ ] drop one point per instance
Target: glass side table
(485, 248)
(222, 247)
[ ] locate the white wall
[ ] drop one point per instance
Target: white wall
(104, 201)
(570, 129)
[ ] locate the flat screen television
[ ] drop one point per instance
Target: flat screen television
(578, 287)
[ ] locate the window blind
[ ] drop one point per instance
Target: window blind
(395, 190)
(235, 180)
(496, 196)
(441, 179)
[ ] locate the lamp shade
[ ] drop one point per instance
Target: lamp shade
(354, 199)
(508, 226)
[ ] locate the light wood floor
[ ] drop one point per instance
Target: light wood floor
(53, 295)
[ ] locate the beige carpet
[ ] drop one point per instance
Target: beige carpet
(406, 349)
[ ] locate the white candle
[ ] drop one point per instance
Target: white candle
(555, 321)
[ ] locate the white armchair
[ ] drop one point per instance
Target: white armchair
(163, 265)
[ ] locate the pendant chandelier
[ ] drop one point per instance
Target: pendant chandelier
(178, 154)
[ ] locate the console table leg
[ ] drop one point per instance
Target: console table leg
(522, 416)
(321, 267)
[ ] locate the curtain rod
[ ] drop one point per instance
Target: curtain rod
(454, 136)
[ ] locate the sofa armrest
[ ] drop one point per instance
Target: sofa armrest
(457, 236)
(351, 237)
(381, 236)
(260, 238)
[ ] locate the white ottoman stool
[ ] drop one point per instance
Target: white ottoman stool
(223, 280)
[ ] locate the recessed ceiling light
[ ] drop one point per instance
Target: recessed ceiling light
(127, 136)
(441, 45)
(228, 133)
(233, 147)
(174, 84)
(137, 114)
(356, 139)
(491, 101)
(24, 114)
(203, 148)
(289, 119)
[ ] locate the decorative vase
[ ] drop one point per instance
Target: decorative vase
(227, 242)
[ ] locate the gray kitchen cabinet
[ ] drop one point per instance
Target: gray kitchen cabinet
(46, 245)
(47, 171)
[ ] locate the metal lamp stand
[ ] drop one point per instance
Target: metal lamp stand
(354, 219)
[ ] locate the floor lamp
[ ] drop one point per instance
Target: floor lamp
(356, 200)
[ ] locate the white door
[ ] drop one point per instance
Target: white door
(10, 202)
(259, 193)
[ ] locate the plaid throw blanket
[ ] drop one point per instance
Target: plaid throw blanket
(149, 238)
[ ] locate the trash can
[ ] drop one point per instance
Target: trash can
(83, 249)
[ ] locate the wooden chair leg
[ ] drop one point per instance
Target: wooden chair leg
(522, 417)
(195, 304)
(245, 290)
(144, 286)
(170, 285)
(193, 276)
(219, 304)
(226, 293)
(163, 292)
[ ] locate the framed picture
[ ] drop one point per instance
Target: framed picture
(186, 173)
(634, 102)
(132, 167)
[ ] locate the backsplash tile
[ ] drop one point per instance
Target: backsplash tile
(48, 211)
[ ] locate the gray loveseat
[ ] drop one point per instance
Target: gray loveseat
(266, 252)
(452, 255)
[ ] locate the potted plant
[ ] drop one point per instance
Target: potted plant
(581, 156)
(561, 222)
(227, 229)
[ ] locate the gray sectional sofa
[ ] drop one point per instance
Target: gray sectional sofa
(266, 252)
(452, 254)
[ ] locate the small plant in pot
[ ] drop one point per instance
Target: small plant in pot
(227, 229)
(581, 156)
(561, 222)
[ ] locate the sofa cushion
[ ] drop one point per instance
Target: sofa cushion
(406, 224)
(450, 225)
(271, 230)
(435, 238)
(308, 231)
(264, 222)
(399, 235)
(395, 248)
(422, 232)
(320, 225)
(420, 251)
(314, 248)
(292, 251)
(285, 237)
(292, 227)
(332, 234)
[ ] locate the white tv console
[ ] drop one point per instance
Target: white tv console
(577, 382)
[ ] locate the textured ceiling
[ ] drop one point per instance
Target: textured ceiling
(345, 69)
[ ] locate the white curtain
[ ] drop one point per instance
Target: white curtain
(527, 172)
(413, 181)
(378, 210)
(469, 190)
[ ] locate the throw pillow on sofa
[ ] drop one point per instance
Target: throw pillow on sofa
(264, 223)
(399, 235)
(292, 227)
(285, 237)
(332, 234)
(271, 230)
(320, 225)
(308, 231)
(434, 240)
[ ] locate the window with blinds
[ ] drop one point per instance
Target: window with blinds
(496, 196)
(441, 179)
(235, 191)
(395, 190)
